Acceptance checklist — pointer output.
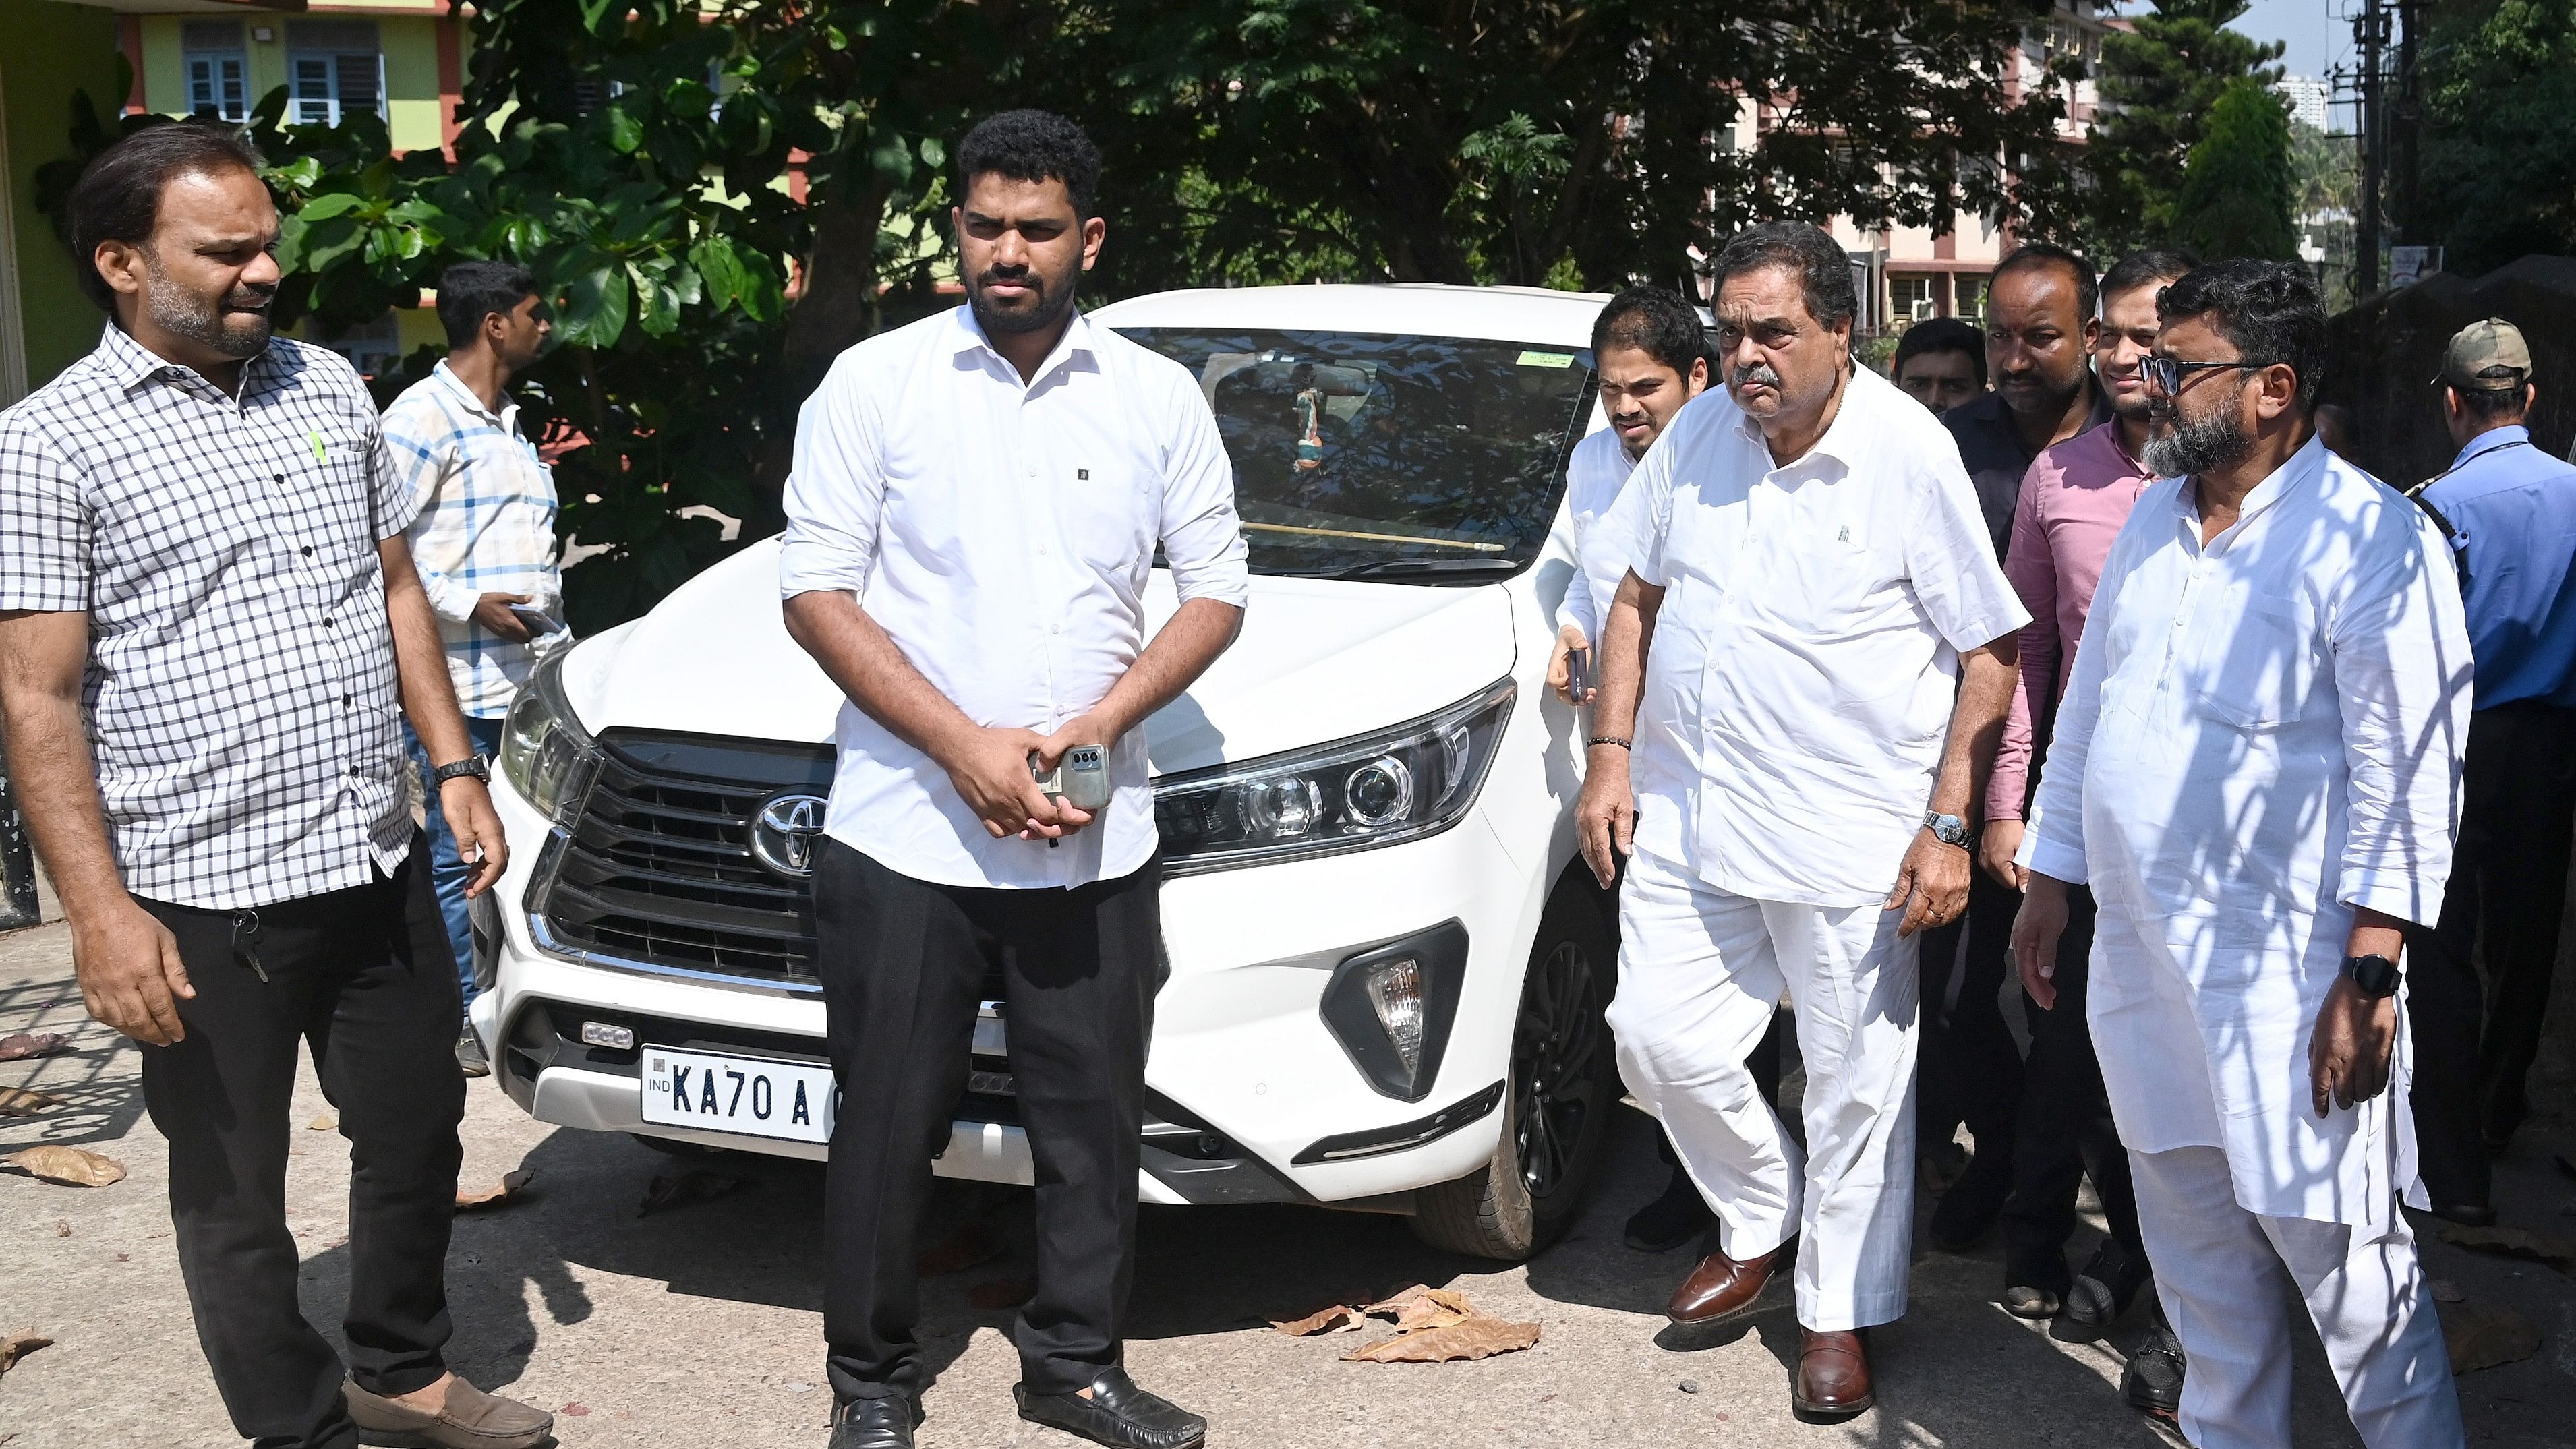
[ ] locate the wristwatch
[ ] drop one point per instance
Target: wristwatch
(1947, 829)
(2376, 976)
(474, 765)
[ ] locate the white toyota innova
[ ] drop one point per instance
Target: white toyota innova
(1386, 965)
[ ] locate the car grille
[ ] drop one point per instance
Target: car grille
(658, 868)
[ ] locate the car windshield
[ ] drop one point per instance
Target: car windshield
(1411, 459)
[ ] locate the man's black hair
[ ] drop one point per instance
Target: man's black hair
(118, 197)
(1940, 334)
(468, 292)
(2145, 268)
(2271, 311)
(2505, 401)
(1657, 322)
(2088, 293)
(1032, 146)
(1822, 267)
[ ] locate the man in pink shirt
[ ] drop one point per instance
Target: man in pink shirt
(2073, 502)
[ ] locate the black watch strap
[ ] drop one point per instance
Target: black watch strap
(2377, 977)
(474, 765)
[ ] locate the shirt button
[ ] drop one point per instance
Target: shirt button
(308, 550)
(327, 621)
(348, 699)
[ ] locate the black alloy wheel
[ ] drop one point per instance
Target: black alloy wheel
(1555, 1085)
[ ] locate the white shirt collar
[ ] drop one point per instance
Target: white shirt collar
(2301, 467)
(1077, 340)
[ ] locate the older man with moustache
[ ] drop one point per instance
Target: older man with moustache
(1807, 561)
(2256, 769)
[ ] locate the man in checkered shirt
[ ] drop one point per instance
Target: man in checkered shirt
(482, 539)
(210, 630)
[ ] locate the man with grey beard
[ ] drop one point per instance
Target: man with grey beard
(210, 632)
(2255, 768)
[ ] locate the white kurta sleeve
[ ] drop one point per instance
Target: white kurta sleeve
(2054, 842)
(1632, 531)
(2402, 680)
(1576, 607)
(835, 490)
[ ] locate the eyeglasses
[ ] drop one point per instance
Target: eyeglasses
(2164, 375)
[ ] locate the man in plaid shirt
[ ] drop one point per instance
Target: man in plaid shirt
(210, 630)
(483, 540)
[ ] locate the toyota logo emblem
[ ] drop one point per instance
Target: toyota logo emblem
(783, 833)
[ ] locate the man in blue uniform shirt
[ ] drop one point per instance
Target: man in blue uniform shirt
(2509, 510)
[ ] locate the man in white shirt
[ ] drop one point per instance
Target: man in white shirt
(2256, 768)
(484, 540)
(1832, 648)
(971, 522)
(1650, 357)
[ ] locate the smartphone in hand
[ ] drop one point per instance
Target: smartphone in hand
(537, 620)
(1578, 675)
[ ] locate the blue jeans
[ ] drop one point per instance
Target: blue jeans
(447, 873)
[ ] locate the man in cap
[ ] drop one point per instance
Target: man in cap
(2509, 512)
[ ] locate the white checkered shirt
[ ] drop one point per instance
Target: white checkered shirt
(240, 693)
(485, 525)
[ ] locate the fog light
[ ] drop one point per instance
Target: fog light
(1395, 990)
(601, 1034)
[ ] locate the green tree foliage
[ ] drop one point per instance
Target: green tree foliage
(1428, 141)
(2238, 187)
(2499, 164)
(2158, 86)
(720, 195)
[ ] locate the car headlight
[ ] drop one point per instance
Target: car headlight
(545, 753)
(1416, 779)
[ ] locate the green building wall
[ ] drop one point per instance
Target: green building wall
(53, 50)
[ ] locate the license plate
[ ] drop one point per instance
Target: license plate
(750, 1095)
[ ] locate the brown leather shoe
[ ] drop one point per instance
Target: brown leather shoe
(470, 1419)
(1722, 1287)
(1833, 1373)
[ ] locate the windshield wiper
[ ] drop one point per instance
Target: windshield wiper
(1467, 567)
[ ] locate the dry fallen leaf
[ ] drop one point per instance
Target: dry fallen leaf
(675, 1188)
(972, 1245)
(19, 1102)
(2557, 1252)
(1470, 1338)
(1420, 1307)
(1340, 1318)
(18, 1345)
(323, 1123)
(1003, 1292)
(510, 1186)
(2480, 1337)
(32, 1044)
(71, 1166)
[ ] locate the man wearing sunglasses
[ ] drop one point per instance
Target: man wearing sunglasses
(2255, 770)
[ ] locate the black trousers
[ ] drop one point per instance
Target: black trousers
(365, 979)
(1969, 1068)
(902, 961)
(2064, 1132)
(2507, 896)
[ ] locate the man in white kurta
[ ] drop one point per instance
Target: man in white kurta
(1808, 555)
(2256, 769)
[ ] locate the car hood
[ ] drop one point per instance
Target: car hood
(1318, 660)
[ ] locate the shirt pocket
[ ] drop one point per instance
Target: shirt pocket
(2261, 674)
(1109, 514)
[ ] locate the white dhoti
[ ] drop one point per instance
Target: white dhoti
(1700, 973)
(2224, 1294)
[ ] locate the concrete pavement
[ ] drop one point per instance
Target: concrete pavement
(699, 1325)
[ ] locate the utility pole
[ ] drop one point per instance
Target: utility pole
(2370, 35)
(2407, 120)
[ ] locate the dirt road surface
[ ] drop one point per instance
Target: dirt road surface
(699, 1325)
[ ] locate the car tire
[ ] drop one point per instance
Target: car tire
(1558, 1101)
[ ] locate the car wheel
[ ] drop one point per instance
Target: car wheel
(1556, 1108)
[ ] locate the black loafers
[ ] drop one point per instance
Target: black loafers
(885, 1423)
(1118, 1414)
(2152, 1381)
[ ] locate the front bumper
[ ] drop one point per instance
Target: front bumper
(1252, 1098)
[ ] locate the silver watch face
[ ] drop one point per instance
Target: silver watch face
(1948, 829)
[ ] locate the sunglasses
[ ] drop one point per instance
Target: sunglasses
(2166, 376)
